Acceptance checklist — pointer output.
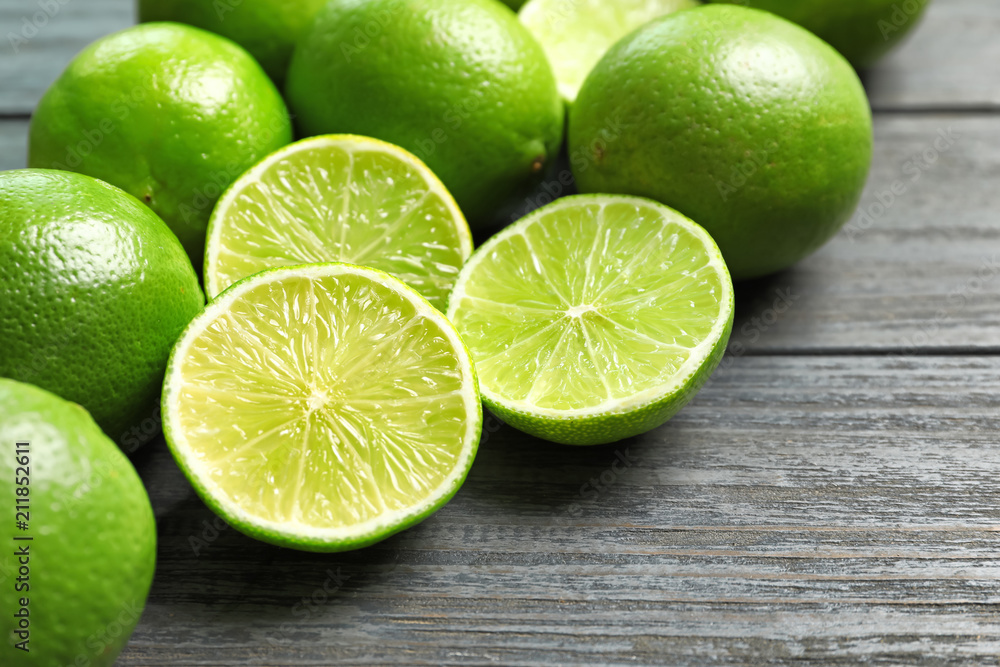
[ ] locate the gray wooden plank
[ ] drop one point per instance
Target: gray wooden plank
(824, 510)
(951, 60)
(40, 37)
(13, 143)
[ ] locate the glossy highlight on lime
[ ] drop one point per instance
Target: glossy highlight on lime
(169, 113)
(745, 122)
(91, 547)
(461, 84)
(94, 290)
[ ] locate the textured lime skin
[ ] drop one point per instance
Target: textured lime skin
(169, 113)
(93, 550)
(266, 28)
(759, 131)
(862, 30)
(459, 83)
(94, 290)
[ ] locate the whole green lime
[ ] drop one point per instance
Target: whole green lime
(94, 290)
(748, 124)
(266, 28)
(79, 540)
(459, 83)
(862, 30)
(169, 113)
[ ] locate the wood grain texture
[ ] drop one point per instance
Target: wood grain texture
(822, 510)
(951, 60)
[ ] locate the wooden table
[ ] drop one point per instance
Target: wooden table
(830, 498)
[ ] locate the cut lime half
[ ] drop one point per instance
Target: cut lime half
(322, 407)
(594, 318)
(577, 33)
(339, 198)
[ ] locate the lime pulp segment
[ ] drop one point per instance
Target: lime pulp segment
(322, 407)
(593, 306)
(340, 198)
(575, 34)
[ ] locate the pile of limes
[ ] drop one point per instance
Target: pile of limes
(330, 393)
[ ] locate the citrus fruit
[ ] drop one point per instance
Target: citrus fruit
(339, 198)
(862, 30)
(576, 34)
(79, 538)
(459, 83)
(750, 125)
(594, 318)
(266, 28)
(94, 290)
(169, 113)
(322, 407)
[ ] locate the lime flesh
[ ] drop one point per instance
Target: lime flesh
(322, 407)
(576, 34)
(594, 318)
(340, 198)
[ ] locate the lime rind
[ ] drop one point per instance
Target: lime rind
(291, 532)
(515, 315)
(342, 198)
(576, 33)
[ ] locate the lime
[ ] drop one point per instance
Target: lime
(862, 30)
(322, 407)
(745, 122)
(576, 34)
(94, 290)
(266, 28)
(79, 535)
(339, 198)
(594, 318)
(459, 83)
(169, 113)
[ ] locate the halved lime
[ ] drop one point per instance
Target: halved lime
(322, 407)
(594, 318)
(339, 198)
(576, 33)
